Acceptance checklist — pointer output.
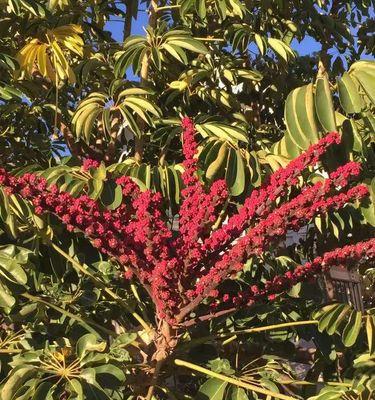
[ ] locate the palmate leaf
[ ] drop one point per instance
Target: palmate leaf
(94, 65)
(220, 97)
(222, 9)
(208, 73)
(342, 320)
(103, 109)
(135, 47)
(50, 58)
(96, 185)
(235, 172)
(223, 156)
(300, 117)
(352, 328)
(69, 37)
(241, 35)
(310, 113)
(158, 46)
(17, 379)
(368, 210)
(238, 394)
(8, 92)
(370, 332)
(363, 72)
(91, 371)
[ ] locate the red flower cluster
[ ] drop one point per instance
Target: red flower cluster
(199, 208)
(90, 163)
(181, 269)
(344, 256)
(293, 215)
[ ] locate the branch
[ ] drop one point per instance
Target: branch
(195, 303)
(233, 335)
(154, 380)
(233, 381)
(206, 317)
(128, 19)
(86, 322)
(157, 9)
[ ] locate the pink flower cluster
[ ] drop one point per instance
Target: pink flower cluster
(181, 269)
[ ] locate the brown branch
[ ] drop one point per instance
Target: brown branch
(154, 379)
(69, 139)
(208, 317)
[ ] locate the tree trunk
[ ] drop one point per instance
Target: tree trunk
(165, 342)
(128, 19)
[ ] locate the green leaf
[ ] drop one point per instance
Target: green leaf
(260, 43)
(114, 372)
(43, 391)
(200, 6)
(324, 105)
(88, 343)
(350, 98)
(279, 48)
(370, 331)
(7, 301)
(190, 44)
(337, 319)
(235, 174)
(368, 207)
(212, 389)
(111, 195)
(77, 388)
(92, 391)
(367, 81)
(328, 319)
(222, 131)
(299, 117)
(95, 188)
(17, 378)
(214, 168)
(176, 52)
(239, 394)
(124, 339)
(156, 57)
(99, 173)
(10, 264)
(352, 329)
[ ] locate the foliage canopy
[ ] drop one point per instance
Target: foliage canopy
(70, 95)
